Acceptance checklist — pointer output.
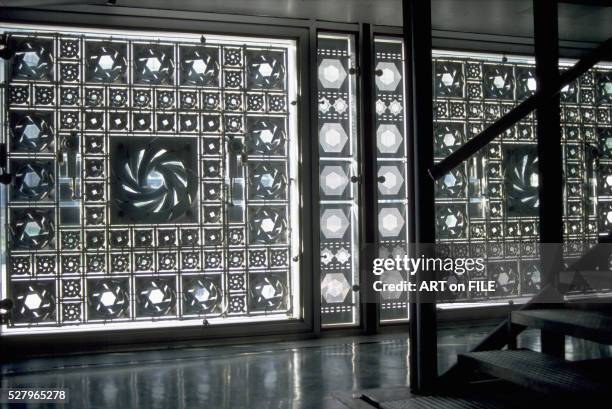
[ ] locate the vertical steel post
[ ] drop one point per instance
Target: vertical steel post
(423, 336)
(369, 185)
(550, 165)
(314, 163)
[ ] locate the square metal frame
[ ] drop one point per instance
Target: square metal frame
(40, 344)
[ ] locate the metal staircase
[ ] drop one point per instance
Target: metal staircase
(540, 373)
(496, 373)
(513, 378)
(553, 378)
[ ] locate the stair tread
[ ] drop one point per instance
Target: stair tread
(593, 325)
(540, 372)
(490, 395)
(439, 402)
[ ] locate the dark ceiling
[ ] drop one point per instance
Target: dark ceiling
(578, 22)
(501, 17)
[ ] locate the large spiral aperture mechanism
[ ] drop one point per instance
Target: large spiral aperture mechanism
(153, 183)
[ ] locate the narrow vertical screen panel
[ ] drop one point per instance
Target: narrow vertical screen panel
(154, 180)
(338, 193)
(391, 149)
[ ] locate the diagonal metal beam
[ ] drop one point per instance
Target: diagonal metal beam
(541, 97)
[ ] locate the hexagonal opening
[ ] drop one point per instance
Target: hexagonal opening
(389, 222)
(156, 296)
(449, 180)
(499, 82)
(387, 138)
(266, 136)
(450, 221)
(447, 79)
(532, 84)
(32, 228)
(33, 301)
(108, 298)
(31, 131)
(265, 69)
(503, 278)
(267, 225)
(387, 76)
(331, 73)
(153, 64)
(202, 294)
(333, 223)
(199, 66)
(449, 139)
(31, 59)
(106, 62)
(268, 291)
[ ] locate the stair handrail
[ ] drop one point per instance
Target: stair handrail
(535, 101)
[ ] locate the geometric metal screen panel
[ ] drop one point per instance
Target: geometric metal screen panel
(587, 153)
(488, 206)
(391, 148)
(154, 179)
(337, 114)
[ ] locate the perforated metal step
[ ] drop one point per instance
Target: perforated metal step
(483, 395)
(538, 372)
(593, 325)
(437, 402)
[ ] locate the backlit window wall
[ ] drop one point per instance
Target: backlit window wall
(154, 180)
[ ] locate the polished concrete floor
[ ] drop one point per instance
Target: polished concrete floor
(272, 376)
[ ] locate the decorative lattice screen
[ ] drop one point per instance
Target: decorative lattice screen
(488, 206)
(153, 179)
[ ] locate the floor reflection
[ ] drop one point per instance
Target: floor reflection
(274, 378)
(297, 375)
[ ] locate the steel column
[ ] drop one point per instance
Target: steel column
(550, 164)
(368, 185)
(423, 336)
(312, 81)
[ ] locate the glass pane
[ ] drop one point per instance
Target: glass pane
(585, 120)
(337, 112)
(488, 206)
(392, 169)
(154, 181)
